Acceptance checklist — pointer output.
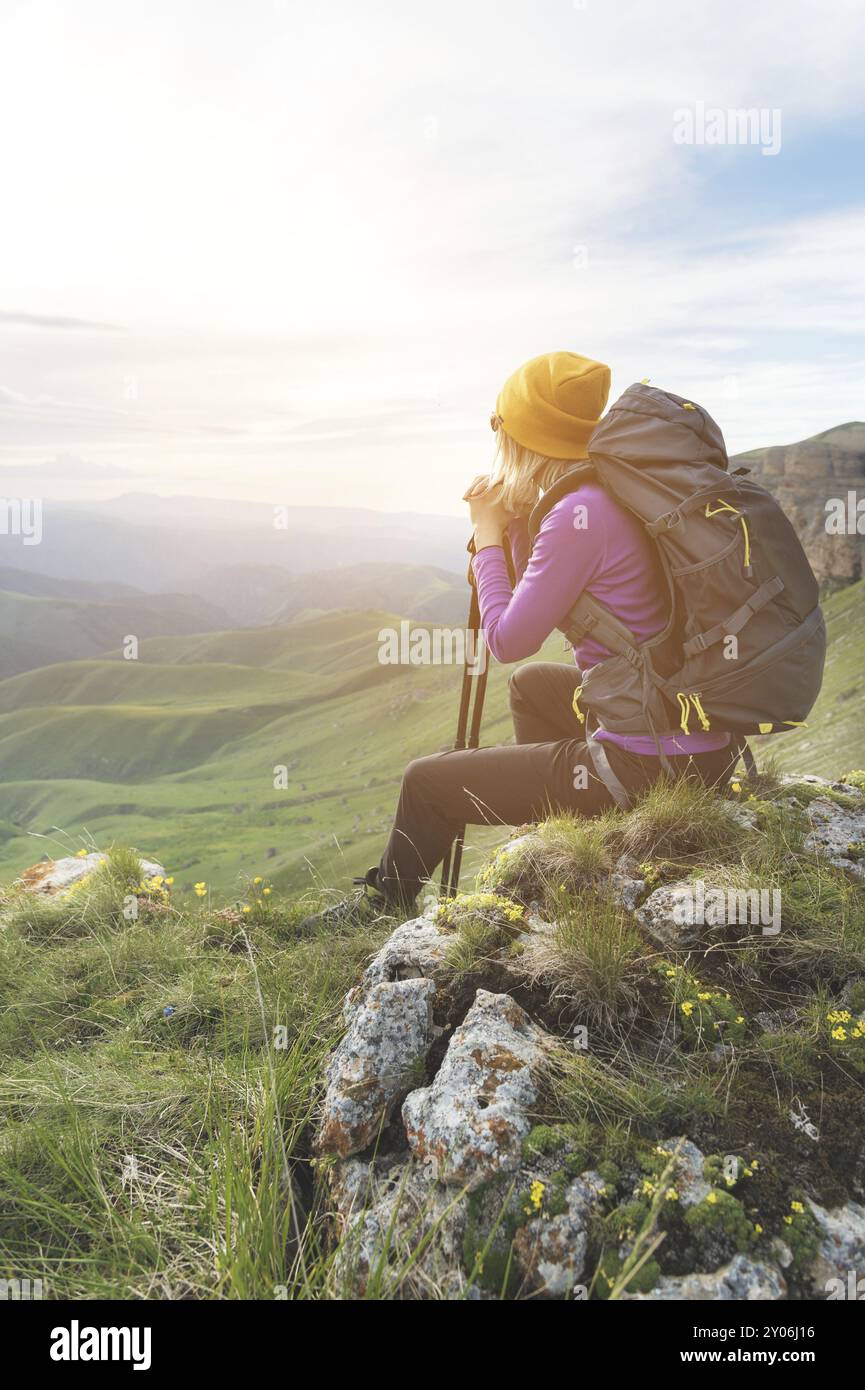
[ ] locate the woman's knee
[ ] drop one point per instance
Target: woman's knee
(521, 683)
(416, 777)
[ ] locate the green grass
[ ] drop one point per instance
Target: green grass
(835, 735)
(179, 750)
(155, 1136)
(175, 753)
(161, 1067)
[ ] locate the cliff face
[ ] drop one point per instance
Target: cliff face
(803, 477)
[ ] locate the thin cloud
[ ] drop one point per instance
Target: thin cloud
(68, 467)
(55, 321)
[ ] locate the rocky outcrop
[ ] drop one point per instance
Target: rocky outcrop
(551, 1251)
(416, 950)
(667, 915)
(841, 1251)
(743, 1280)
(469, 1124)
(55, 876)
(804, 477)
(402, 1213)
(837, 831)
(445, 1184)
(376, 1063)
(687, 1179)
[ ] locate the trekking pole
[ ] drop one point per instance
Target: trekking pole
(477, 685)
(473, 685)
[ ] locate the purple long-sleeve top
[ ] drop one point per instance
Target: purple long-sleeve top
(585, 542)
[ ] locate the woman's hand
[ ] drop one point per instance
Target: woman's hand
(487, 511)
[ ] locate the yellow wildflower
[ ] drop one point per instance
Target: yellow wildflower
(536, 1197)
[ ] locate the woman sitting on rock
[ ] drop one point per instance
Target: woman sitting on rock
(545, 416)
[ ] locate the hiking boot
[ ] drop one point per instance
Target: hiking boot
(359, 909)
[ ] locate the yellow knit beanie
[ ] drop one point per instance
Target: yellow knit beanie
(552, 404)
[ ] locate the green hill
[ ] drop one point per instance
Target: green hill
(179, 748)
(38, 629)
(834, 738)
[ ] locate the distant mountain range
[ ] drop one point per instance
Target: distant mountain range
(45, 620)
(165, 545)
(160, 566)
(48, 628)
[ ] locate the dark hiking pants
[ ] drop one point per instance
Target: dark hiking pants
(515, 783)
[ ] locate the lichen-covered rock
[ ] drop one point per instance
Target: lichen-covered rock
(842, 1245)
(627, 885)
(55, 876)
(838, 833)
(687, 1176)
(470, 1123)
(667, 915)
(416, 950)
(740, 814)
(351, 1182)
(408, 1238)
(551, 1251)
(376, 1063)
(742, 1280)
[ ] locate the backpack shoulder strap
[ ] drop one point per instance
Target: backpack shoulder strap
(587, 615)
(568, 482)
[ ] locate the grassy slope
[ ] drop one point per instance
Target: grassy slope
(36, 630)
(149, 1041)
(178, 749)
(834, 740)
(175, 753)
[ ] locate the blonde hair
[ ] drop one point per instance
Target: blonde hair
(524, 475)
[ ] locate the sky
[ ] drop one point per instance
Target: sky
(288, 250)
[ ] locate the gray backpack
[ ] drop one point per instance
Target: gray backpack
(744, 646)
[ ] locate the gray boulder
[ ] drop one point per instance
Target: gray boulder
(376, 1063)
(470, 1123)
(56, 876)
(416, 950)
(841, 1251)
(742, 1280)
